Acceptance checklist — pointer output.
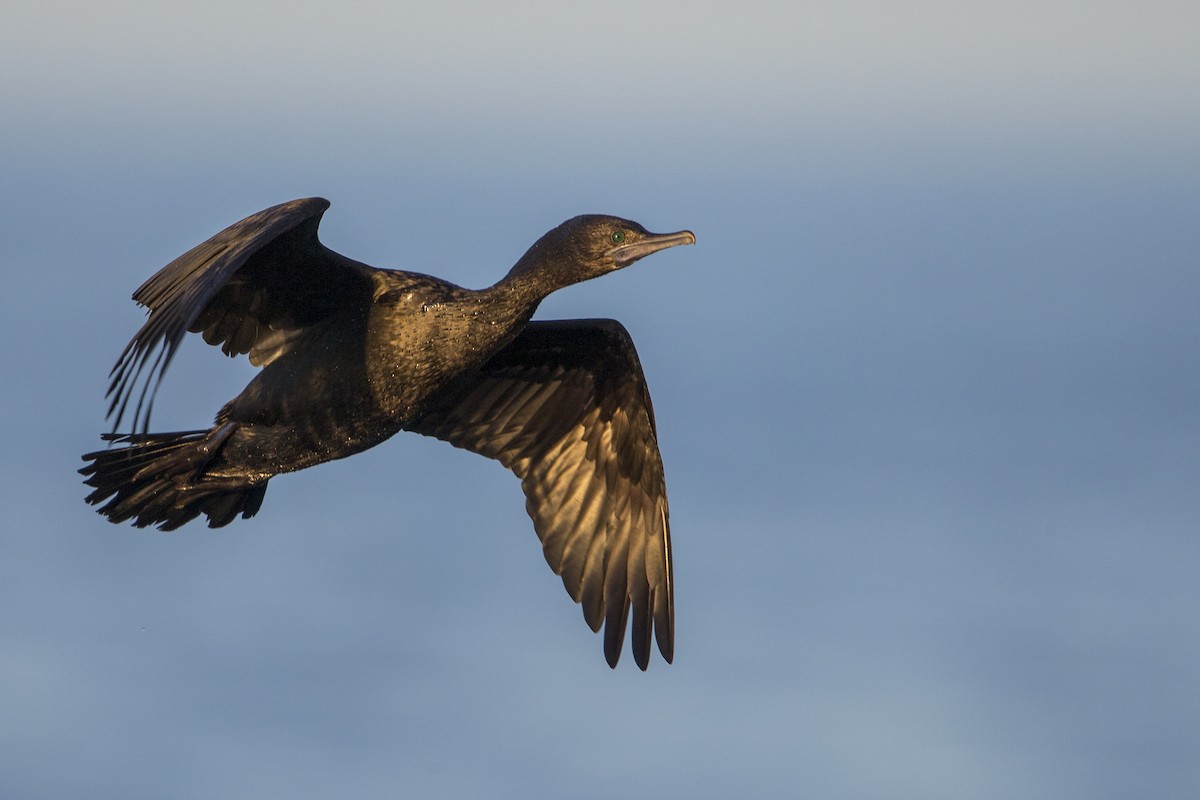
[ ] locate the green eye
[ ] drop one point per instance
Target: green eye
(618, 237)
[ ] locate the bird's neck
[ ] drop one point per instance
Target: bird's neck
(509, 303)
(538, 273)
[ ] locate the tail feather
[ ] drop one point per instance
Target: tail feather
(160, 479)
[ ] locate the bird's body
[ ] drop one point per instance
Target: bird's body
(351, 355)
(365, 374)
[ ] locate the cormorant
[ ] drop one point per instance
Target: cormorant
(351, 355)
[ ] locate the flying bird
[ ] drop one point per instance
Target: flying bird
(352, 354)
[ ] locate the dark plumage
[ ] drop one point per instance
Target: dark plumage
(352, 354)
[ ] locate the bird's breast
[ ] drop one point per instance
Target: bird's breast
(417, 344)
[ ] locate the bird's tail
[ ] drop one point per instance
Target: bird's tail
(160, 479)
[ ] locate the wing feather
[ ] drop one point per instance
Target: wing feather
(565, 407)
(263, 274)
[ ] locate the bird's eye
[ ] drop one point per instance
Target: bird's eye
(618, 237)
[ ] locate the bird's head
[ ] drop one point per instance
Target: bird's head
(591, 245)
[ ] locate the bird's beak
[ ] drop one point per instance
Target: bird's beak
(626, 254)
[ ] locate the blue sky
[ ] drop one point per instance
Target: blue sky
(926, 387)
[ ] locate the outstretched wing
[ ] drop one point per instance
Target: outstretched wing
(565, 407)
(256, 287)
